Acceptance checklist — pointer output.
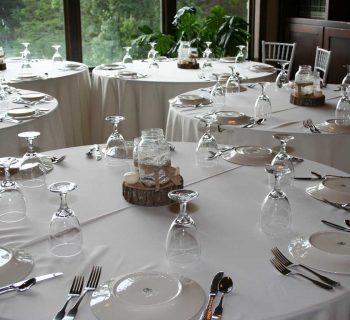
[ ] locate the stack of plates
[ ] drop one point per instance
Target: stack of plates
(127, 74)
(71, 65)
(192, 99)
(232, 118)
(333, 189)
(249, 156)
(262, 68)
(228, 59)
(15, 265)
(112, 66)
(27, 76)
(335, 126)
(325, 251)
(148, 295)
(33, 96)
(19, 113)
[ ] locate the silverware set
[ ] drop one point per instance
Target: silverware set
(77, 291)
(284, 266)
(318, 176)
(220, 283)
(254, 123)
(94, 151)
(337, 226)
(310, 125)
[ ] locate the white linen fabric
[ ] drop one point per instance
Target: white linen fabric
(49, 124)
(125, 238)
(143, 101)
(71, 87)
(331, 149)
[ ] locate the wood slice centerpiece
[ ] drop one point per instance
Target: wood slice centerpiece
(300, 99)
(139, 194)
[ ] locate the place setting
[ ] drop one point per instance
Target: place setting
(191, 101)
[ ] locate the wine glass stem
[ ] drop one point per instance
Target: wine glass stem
(30, 145)
(183, 216)
(277, 186)
(283, 146)
(63, 205)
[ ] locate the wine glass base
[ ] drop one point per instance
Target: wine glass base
(12, 216)
(65, 250)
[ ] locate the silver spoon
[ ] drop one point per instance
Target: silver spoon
(225, 286)
(347, 222)
(57, 160)
(253, 123)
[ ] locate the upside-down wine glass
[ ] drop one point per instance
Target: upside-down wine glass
(26, 66)
(283, 158)
(275, 215)
(32, 170)
(154, 64)
(262, 107)
(152, 52)
(127, 57)
(115, 152)
(65, 234)
(342, 111)
(233, 83)
(346, 79)
(12, 202)
(207, 66)
(240, 57)
(57, 57)
(282, 77)
(182, 243)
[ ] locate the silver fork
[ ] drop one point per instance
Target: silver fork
(287, 263)
(285, 271)
(90, 286)
(75, 291)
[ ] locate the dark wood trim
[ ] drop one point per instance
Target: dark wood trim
(317, 22)
(72, 24)
(168, 8)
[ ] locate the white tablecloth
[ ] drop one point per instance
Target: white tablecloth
(330, 149)
(143, 102)
(124, 238)
(70, 87)
(49, 124)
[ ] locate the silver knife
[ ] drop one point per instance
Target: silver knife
(336, 226)
(16, 285)
(214, 288)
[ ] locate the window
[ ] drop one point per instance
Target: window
(40, 23)
(108, 26)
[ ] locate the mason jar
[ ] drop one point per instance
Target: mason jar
(304, 81)
(183, 51)
(153, 155)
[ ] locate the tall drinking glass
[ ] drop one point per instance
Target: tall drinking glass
(65, 234)
(182, 243)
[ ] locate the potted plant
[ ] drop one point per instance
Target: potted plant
(223, 31)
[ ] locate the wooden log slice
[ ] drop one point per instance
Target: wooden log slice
(307, 100)
(140, 195)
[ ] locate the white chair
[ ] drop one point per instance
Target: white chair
(322, 59)
(276, 52)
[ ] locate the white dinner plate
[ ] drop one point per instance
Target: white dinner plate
(228, 59)
(71, 65)
(15, 265)
(261, 68)
(232, 118)
(249, 155)
(127, 73)
(191, 99)
(148, 296)
(325, 250)
(33, 96)
(333, 189)
(111, 66)
(21, 112)
(334, 126)
(27, 76)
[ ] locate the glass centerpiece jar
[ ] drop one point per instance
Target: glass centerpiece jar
(304, 81)
(183, 52)
(153, 155)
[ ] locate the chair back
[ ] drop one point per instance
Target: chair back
(322, 60)
(274, 52)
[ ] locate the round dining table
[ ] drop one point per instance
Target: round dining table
(68, 82)
(325, 147)
(125, 239)
(44, 118)
(143, 99)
